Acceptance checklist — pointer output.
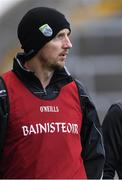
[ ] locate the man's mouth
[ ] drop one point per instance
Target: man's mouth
(64, 54)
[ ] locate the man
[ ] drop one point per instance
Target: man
(112, 131)
(53, 129)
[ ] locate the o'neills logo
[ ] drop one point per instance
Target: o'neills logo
(52, 127)
(49, 109)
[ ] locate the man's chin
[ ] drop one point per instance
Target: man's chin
(58, 66)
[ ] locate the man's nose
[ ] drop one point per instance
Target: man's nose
(67, 43)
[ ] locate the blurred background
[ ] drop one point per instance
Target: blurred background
(96, 56)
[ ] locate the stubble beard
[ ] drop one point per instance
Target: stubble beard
(55, 67)
(52, 66)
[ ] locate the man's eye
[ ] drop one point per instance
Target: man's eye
(60, 35)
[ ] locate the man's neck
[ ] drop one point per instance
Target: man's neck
(44, 75)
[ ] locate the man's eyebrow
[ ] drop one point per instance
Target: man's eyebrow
(68, 33)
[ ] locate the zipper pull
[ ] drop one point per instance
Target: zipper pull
(45, 92)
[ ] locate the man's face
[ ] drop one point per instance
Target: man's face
(54, 53)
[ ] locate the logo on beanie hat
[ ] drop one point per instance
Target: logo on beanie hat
(46, 30)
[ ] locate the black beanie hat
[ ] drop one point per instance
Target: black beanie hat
(39, 26)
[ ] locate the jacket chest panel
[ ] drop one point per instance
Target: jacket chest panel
(62, 114)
